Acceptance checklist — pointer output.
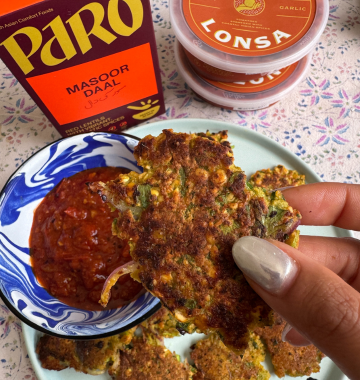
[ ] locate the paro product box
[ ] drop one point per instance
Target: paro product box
(89, 65)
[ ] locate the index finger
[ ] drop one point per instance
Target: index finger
(324, 204)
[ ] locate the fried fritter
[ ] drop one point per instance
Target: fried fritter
(182, 216)
(287, 359)
(148, 359)
(163, 324)
(93, 356)
(277, 178)
(214, 361)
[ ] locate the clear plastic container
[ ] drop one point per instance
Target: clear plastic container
(243, 96)
(246, 39)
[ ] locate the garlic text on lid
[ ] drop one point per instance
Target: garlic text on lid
(248, 36)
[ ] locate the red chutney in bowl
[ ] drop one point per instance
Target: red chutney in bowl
(72, 247)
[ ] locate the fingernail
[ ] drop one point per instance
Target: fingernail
(293, 337)
(267, 265)
(287, 328)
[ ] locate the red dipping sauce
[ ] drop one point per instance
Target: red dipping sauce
(72, 247)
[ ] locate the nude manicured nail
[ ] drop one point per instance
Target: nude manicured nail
(264, 263)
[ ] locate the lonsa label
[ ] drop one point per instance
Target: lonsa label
(249, 27)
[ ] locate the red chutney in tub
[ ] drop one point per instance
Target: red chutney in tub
(240, 40)
(219, 75)
(72, 247)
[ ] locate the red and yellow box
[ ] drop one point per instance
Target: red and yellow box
(89, 65)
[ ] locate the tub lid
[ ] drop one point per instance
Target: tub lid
(249, 36)
(251, 95)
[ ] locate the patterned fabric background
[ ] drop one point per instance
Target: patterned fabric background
(319, 122)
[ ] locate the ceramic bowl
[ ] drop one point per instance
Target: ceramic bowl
(23, 192)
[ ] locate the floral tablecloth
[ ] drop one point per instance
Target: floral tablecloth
(319, 122)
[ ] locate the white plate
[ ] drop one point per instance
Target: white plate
(252, 152)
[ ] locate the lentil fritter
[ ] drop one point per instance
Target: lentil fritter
(214, 361)
(181, 217)
(93, 357)
(277, 178)
(287, 359)
(148, 359)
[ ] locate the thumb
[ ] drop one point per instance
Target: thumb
(314, 300)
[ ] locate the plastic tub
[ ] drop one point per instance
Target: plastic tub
(243, 96)
(241, 40)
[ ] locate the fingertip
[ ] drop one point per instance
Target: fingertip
(326, 203)
(293, 337)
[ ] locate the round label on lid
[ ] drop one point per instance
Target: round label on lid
(258, 85)
(249, 27)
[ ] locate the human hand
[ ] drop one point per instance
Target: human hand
(316, 288)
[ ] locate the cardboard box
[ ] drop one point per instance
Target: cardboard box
(90, 65)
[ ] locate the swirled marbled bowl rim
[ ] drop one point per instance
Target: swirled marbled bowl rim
(23, 191)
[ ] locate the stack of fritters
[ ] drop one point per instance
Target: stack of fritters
(124, 356)
(92, 356)
(182, 215)
(146, 358)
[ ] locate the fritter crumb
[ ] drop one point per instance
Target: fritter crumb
(93, 357)
(277, 178)
(214, 361)
(287, 359)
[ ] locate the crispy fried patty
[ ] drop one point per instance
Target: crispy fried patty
(277, 178)
(93, 357)
(148, 359)
(287, 359)
(214, 361)
(182, 216)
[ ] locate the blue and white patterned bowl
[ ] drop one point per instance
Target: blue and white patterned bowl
(23, 192)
